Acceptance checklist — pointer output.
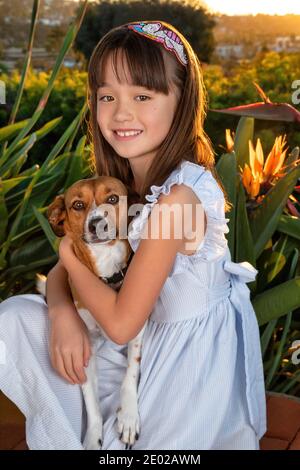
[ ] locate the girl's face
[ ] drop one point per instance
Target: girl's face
(126, 107)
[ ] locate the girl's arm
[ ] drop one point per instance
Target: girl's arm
(69, 344)
(123, 314)
(58, 292)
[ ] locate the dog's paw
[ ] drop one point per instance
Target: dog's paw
(128, 425)
(93, 438)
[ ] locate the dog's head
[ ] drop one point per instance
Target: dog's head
(93, 210)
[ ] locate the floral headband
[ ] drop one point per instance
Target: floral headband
(160, 33)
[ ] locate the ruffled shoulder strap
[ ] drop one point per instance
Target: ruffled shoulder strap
(201, 180)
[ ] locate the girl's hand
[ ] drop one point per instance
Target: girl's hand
(69, 345)
(66, 249)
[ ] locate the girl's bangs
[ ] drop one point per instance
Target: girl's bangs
(144, 59)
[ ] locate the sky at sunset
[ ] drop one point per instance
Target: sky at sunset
(234, 7)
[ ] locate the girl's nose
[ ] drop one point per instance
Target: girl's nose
(123, 111)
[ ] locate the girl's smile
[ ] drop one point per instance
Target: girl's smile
(126, 135)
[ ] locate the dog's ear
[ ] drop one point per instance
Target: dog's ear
(56, 215)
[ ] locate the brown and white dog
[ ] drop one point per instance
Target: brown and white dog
(91, 213)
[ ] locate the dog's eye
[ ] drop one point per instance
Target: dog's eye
(113, 199)
(78, 205)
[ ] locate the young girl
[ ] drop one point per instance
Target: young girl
(201, 379)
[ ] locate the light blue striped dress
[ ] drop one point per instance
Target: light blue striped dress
(201, 383)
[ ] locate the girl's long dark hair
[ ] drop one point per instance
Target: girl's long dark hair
(146, 63)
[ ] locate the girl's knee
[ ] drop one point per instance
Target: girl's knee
(23, 306)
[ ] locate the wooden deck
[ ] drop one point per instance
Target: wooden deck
(283, 424)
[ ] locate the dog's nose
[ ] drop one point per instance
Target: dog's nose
(93, 223)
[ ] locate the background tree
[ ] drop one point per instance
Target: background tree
(190, 18)
(55, 38)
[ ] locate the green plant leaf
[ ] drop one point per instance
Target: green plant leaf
(75, 169)
(244, 248)
(13, 182)
(264, 220)
(42, 132)
(8, 132)
(227, 171)
(287, 324)
(33, 250)
(3, 213)
(278, 301)
(289, 225)
(24, 149)
(244, 133)
(53, 240)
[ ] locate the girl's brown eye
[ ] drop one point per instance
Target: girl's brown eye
(78, 205)
(113, 199)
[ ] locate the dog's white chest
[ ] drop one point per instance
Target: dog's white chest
(108, 259)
